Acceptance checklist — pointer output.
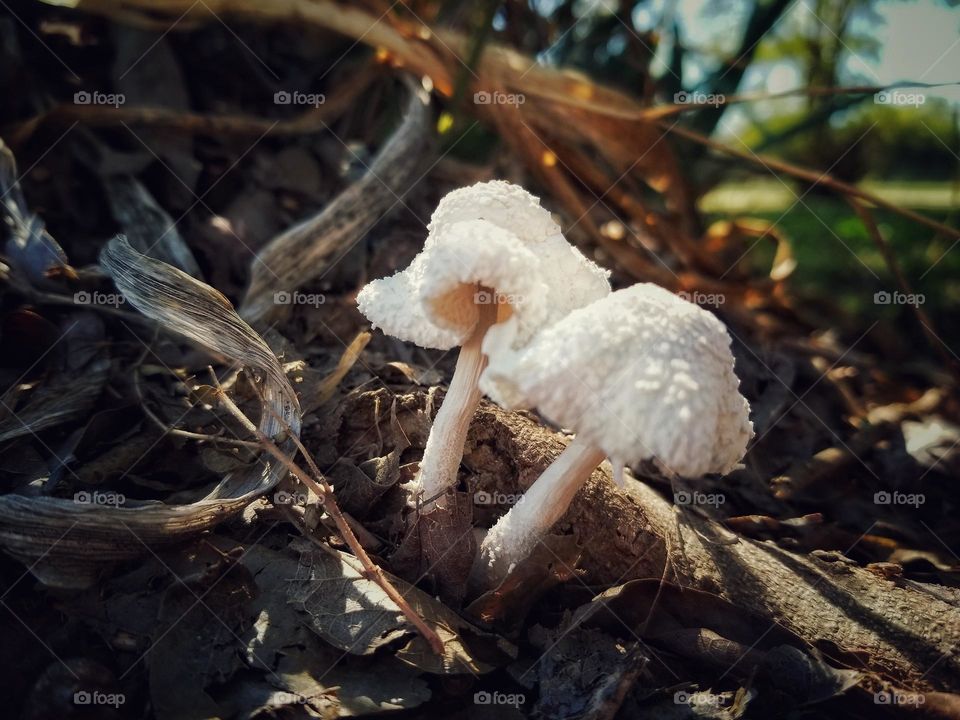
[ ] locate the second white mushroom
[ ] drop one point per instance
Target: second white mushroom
(639, 374)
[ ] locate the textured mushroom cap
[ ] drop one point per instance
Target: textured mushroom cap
(572, 280)
(496, 235)
(393, 305)
(505, 205)
(640, 374)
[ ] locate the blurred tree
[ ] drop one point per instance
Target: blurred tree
(829, 45)
(893, 143)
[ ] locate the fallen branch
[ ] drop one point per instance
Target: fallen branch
(902, 631)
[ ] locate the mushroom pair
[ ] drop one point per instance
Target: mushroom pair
(493, 258)
(639, 374)
(636, 374)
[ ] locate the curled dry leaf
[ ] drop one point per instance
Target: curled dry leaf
(65, 543)
(735, 234)
(704, 628)
(656, 609)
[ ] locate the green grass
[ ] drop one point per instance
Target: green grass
(757, 195)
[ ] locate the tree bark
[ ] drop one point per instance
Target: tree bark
(904, 631)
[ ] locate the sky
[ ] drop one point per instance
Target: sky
(919, 41)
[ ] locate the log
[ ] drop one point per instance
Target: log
(903, 631)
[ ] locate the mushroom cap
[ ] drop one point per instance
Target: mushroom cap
(495, 235)
(504, 204)
(640, 374)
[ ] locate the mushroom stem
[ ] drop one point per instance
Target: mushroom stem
(444, 448)
(516, 534)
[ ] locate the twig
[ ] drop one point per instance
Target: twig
(324, 492)
(312, 121)
(866, 217)
(812, 176)
(170, 430)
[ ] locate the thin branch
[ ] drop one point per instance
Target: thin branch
(324, 492)
(866, 217)
(170, 430)
(812, 176)
(311, 121)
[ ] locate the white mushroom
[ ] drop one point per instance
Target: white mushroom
(639, 374)
(492, 255)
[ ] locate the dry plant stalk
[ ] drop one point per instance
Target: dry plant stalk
(314, 120)
(870, 224)
(324, 492)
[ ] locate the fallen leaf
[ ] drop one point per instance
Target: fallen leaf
(353, 614)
